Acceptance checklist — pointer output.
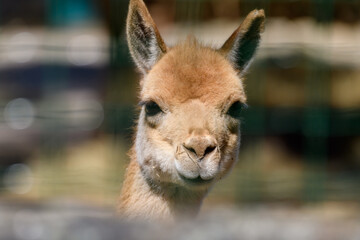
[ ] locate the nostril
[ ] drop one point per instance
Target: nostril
(190, 149)
(209, 150)
(200, 152)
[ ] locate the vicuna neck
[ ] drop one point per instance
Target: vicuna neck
(143, 199)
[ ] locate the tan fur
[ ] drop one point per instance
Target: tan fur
(191, 71)
(140, 200)
(182, 150)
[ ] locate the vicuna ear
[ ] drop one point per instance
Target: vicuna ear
(144, 40)
(242, 44)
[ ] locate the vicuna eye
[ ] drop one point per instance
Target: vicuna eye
(152, 109)
(235, 109)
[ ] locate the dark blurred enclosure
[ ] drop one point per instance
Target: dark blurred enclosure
(68, 96)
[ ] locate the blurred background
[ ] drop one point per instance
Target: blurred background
(68, 91)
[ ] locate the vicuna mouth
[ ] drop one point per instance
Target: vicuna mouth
(196, 181)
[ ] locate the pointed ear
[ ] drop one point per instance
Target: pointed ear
(242, 44)
(144, 40)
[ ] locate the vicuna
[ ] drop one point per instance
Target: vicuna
(188, 132)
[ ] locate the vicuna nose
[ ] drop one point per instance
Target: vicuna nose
(200, 143)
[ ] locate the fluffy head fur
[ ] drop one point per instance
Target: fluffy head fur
(188, 132)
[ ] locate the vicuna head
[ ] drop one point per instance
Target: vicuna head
(191, 96)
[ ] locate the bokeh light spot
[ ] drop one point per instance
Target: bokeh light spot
(18, 178)
(22, 47)
(19, 113)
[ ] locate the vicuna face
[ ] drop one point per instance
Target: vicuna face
(191, 99)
